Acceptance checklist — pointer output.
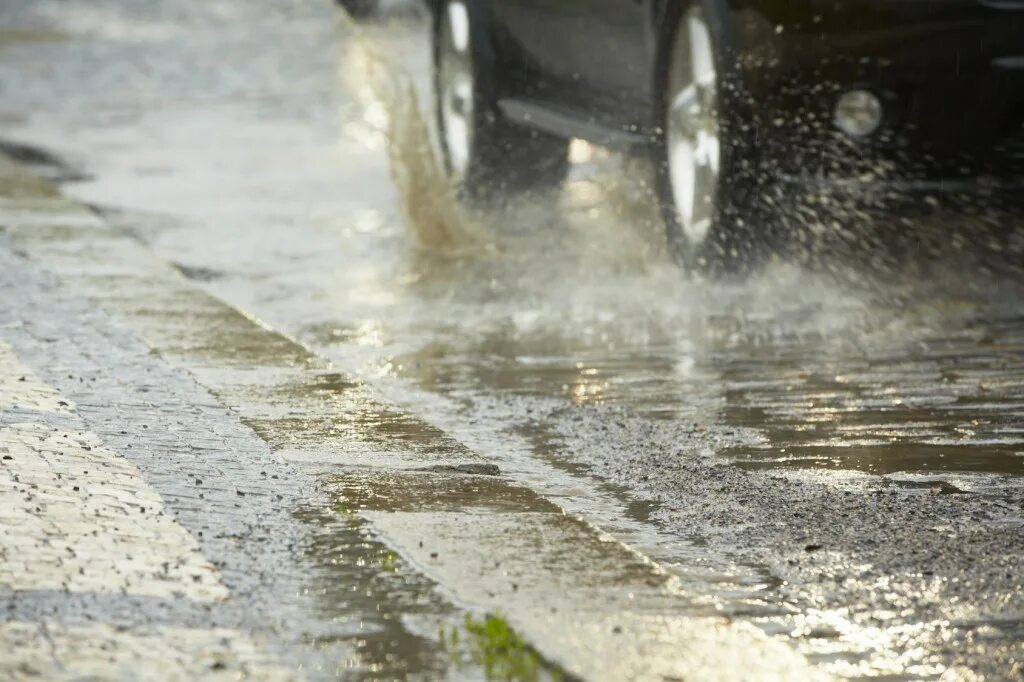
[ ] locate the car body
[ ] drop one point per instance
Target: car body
(951, 72)
(918, 93)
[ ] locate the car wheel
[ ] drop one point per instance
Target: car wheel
(485, 155)
(702, 191)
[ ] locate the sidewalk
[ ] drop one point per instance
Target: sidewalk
(78, 519)
(97, 575)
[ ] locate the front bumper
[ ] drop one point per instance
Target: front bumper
(950, 72)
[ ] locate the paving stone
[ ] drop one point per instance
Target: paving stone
(54, 651)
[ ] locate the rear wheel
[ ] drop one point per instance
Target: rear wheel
(703, 191)
(485, 155)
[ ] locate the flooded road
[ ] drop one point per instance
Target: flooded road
(832, 451)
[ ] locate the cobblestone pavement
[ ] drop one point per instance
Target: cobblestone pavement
(77, 519)
(108, 552)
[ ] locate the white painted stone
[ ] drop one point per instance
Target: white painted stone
(56, 652)
(19, 387)
(83, 520)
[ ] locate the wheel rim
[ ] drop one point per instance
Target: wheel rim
(456, 88)
(692, 131)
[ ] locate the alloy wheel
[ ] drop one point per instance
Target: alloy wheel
(692, 128)
(456, 88)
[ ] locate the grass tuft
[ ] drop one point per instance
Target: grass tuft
(491, 643)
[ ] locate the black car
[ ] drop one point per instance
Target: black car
(729, 96)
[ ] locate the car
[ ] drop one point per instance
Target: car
(731, 98)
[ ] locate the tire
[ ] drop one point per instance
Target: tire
(705, 177)
(486, 156)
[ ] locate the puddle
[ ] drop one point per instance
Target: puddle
(332, 413)
(370, 426)
(196, 325)
(393, 619)
(934, 486)
(886, 394)
(385, 611)
(437, 492)
(921, 402)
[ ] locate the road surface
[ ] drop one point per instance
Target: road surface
(289, 412)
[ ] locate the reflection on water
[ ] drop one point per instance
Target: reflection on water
(878, 425)
(371, 598)
(916, 398)
(323, 417)
(929, 399)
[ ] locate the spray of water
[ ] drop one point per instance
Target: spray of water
(436, 221)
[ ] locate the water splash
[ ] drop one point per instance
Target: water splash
(614, 197)
(435, 219)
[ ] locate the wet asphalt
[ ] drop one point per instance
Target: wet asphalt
(831, 449)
